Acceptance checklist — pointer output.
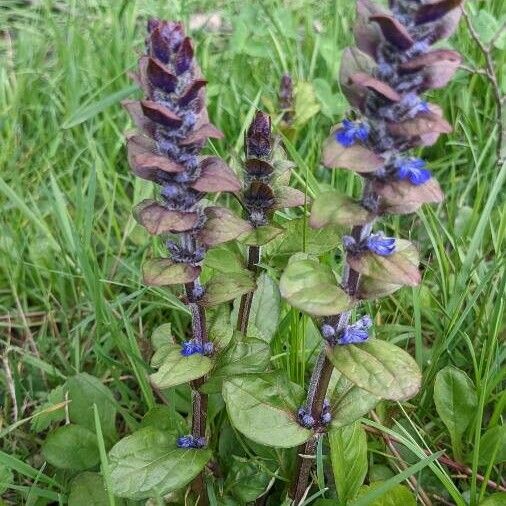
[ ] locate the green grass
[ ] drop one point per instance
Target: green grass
(70, 293)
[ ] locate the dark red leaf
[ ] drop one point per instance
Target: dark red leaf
(160, 114)
(192, 91)
(393, 31)
(184, 56)
(366, 81)
(435, 10)
(216, 176)
(160, 76)
(258, 168)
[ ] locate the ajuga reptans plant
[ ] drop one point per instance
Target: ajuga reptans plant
(173, 127)
(265, 189)
(384, 79)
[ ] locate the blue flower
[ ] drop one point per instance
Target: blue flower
(380, 245)
(356, 333)
(192, 347)
(412, 169)
(328, 331)
(305, 419)
(191, 441)
(414, 105)
(352, 131)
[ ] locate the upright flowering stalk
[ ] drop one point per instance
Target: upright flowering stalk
(383, 79)
(173, 126)
(266, 176)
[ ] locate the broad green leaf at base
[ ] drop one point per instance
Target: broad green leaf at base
(148, 464)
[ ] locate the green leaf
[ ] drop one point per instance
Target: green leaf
(261, 235)
(165, 272)
(176, 369)
(298, 237)
(161, 336)
(85, 390)
(246, 355)
(306, 104)
(336, 208)
(164, 418)
(246, 480)
(222, 259)
(226, 287)
(312, 287)
(88, 489)
(265, 308)
(381, 368)
(51, 411)
(456, 402)
(348, 452)
(349, 402)
(396, 496)
(399, 268)
(220, 330)
(495, 500)
(71, 447)
(493, 446)
(263, 408)
(487, 26)
(370, 288)
(6, 478)
(148, 463)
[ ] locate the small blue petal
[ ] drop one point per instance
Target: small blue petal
(413, 170)
(185, 442)
(208, 348)
(352, 131)
(328, 331)
(381, 245)
(326, 418)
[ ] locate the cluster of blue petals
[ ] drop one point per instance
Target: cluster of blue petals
(352, 334)
(191, 442)
(193, 347)
(412, 169)
(351, 132)
(306, 420)
(381, 245)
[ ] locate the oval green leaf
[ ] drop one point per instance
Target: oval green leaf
(176, 369)
(225, 287)
(263, 408)
(71, 447)
(335, 208)
(149, 464)
(312, 287)
(381, 368)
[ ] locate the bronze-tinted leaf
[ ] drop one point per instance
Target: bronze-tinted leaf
(165, 272)
(356, 157)
(160, 76)
(259, 195)
(144, 162)
(363, 80)
(425, 123)
(157, 219)
(286, 197)
(160, 114)
(446, 26)
(258, 168)
(192, 91)
(399, 268)
(370, 288)
(222, 225)
(335, 208)
(353, 61)
(402, 197)
(368, 35)
(200, 135)
(435, 10)
(437, 66)
(393, 31)
(184, 56)
(140, 120)
(216, 176)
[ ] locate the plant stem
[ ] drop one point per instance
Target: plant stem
(247, 298)
(322, 372)
(199, 400)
